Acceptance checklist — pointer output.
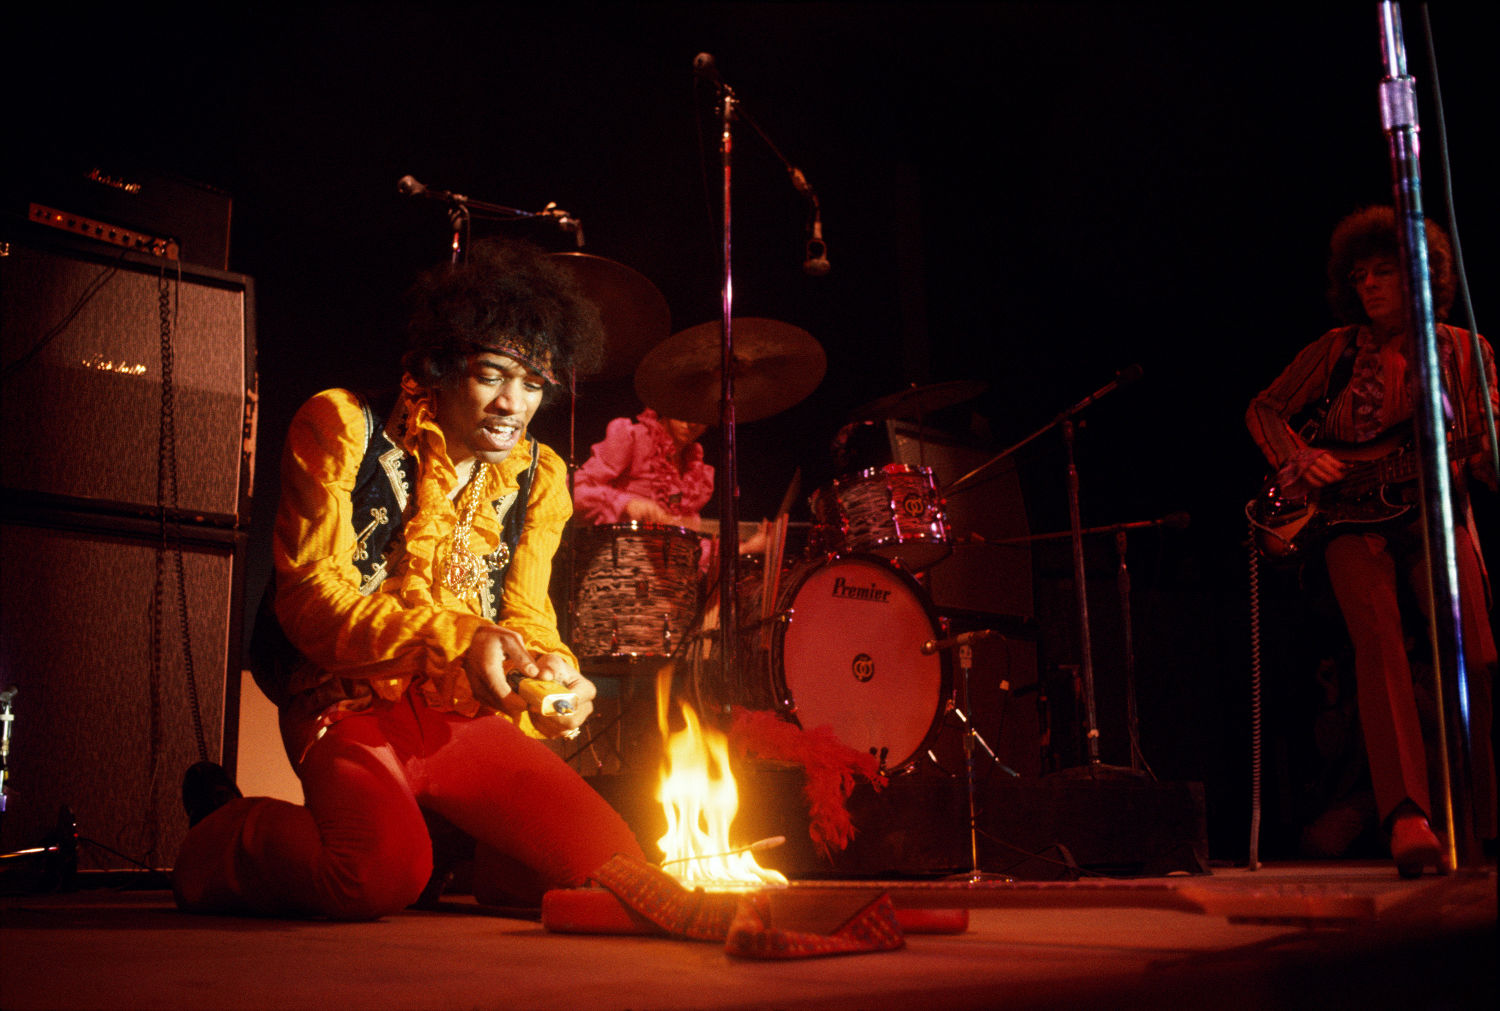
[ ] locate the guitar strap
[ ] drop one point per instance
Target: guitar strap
(1308, 422)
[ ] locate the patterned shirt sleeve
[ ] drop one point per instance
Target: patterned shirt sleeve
(527, 606)
(1304, 381)
(346, 634)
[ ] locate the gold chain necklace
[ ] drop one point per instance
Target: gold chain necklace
(465, 571)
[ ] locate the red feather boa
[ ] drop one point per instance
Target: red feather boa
(830, 764)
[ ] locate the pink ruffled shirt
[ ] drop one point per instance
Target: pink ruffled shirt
(639, 459)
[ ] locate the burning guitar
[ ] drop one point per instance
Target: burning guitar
(1377, 488)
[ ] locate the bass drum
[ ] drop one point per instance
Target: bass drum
(849, 656)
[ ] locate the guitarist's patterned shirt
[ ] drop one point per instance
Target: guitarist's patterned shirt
(1374, 398)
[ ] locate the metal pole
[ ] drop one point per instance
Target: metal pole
(1080, 582)
(1398, 109)
(729, 531)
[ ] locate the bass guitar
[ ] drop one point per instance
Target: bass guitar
(1377, 488)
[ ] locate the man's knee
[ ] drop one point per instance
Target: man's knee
(378, 883)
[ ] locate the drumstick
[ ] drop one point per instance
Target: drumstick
(792, 491)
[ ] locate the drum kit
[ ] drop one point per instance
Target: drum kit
(838, 640)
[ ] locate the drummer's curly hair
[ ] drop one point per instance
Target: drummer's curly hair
(1371, 231)
(504, 291)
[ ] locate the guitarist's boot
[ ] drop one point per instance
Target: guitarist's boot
(1413, 844)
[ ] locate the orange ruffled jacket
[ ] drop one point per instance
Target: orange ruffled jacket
(361, 651)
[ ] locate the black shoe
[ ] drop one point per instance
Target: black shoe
(205, 788)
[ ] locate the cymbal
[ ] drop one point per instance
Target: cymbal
(635, 314)
(775, 366)
(916, 401)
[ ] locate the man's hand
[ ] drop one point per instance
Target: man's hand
(555, 667)
(644, 510)
(491, 654)
(497, 652)
(1324, 469)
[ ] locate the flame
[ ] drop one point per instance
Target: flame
(700, 799)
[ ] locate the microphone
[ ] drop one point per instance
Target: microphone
(931, 646)
(408, 186)
(816, 264)
(565, 221)
(707, 71)
(1177, 520)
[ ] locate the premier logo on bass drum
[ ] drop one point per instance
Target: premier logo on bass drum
(872, 593)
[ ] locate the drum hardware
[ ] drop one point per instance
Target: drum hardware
(1177, 521)
(964, 644)
(914, 402)
(1064, 421)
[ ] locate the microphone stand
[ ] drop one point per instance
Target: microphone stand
(1398, 114)
(1085, 646)
(1122, 583)
(963, 642)
(729, 527)
(462, 209)
(728, 477)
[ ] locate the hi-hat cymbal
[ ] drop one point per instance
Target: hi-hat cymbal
(916, 401)
(635, 314)
(776, 365)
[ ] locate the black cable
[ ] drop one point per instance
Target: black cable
(1445, 174)
(92, 289)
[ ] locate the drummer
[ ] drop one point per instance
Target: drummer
(648, 469)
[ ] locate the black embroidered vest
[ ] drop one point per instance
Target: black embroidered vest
(381, 501)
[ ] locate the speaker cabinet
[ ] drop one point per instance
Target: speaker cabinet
(82, 351)
(108, 713)
(99, 726)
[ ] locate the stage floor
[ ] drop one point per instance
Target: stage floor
(1324, 935)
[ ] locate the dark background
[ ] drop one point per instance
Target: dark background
(1033, 195)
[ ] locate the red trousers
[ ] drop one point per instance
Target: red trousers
(360, 848)
(1364, 569)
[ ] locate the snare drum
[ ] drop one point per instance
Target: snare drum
(635, 589)
(891, 511)
(849, 656)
